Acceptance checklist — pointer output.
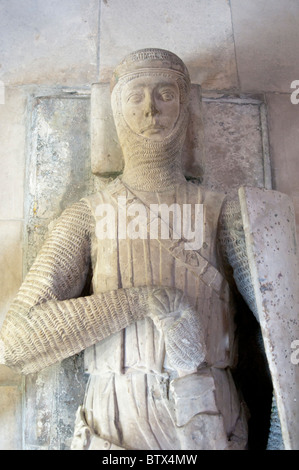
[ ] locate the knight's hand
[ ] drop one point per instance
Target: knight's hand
(185, 344)
(174, 315)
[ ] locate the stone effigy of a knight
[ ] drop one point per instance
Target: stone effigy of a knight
(158, 326)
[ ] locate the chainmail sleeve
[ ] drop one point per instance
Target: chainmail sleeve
(233, 250)
(48, 321)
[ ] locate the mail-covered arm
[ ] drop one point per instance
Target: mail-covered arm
(49, 320)
(233, 250)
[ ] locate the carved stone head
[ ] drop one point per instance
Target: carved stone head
(149, 96)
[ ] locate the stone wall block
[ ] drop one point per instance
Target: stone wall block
(48, 42)
(266, 35)
(12, 155)
(186, 28)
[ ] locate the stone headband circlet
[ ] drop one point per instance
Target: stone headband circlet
(152, 70)
(150, 60)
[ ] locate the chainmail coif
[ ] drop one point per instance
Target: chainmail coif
(151, 165)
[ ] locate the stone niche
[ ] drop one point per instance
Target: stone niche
(73, 150)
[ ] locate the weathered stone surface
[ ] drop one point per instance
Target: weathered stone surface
(187, 28)
(269, 226)
(51, 400)
(59, 166)
(266, 34)
(283, 119)
(59, 175)
(48, 42)
(12, 138)
(10, 418)
(234, 153)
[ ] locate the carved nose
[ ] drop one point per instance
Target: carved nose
(151, 109)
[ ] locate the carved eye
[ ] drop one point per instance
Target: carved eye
(167, 95)
(135, 98)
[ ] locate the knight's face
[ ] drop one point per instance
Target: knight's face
(151, 106)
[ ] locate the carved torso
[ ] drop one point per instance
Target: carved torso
(130, 371)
